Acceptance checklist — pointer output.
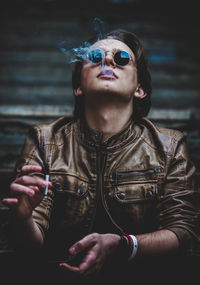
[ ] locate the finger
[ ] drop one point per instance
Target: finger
(31, 168)
(70, 267)
(10, 201)
(35, 188)
(88, 262)
(32, 181)
(87, 268)
(18, 189)
(83, 244)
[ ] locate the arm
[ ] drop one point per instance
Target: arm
(178, 207)
(157, 243)
(28, 232)
(26, 193)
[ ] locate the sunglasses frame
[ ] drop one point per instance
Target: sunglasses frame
(103, 53)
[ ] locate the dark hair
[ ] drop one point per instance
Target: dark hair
(141, 107)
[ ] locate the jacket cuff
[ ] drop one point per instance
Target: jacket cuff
(183, 236)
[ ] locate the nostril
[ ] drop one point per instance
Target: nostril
(108, 60)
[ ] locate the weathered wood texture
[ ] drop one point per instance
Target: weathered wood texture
(35, 75)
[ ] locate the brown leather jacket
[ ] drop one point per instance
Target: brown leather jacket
(141, 177)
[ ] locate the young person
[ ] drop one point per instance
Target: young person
(121, 189)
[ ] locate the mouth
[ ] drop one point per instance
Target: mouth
(107, 74)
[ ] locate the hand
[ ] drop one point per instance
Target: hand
(26, 192)
(97, 248)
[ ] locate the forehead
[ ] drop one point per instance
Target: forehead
(112, 44)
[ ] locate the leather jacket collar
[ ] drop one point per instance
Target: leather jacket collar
(92, 138)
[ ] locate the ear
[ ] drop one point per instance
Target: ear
(139, 92)
(78, 91)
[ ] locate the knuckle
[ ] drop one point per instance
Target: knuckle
(24, 167)
(39, 181)
(94, 237)
(93, 258)
(22, 179)
(79, 246)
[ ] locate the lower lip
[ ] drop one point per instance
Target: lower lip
(107, 77)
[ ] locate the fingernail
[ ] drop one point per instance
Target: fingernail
(31, 193)
(73, 250)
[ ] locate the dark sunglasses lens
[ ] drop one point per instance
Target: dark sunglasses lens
(95, 56)
(121, 58)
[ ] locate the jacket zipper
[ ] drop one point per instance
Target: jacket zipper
(100, 183)
(134, 173)
(97, 189)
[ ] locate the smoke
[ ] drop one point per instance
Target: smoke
(99, 27)
(74, 54)
(79, 53)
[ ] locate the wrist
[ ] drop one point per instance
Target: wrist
(123, 248)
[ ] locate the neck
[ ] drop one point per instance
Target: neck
(108, 119)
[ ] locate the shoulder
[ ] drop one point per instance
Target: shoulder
(165, 139)
(50, 133)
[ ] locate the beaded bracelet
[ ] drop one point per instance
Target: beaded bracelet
(123, 248)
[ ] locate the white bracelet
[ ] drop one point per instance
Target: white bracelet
(135, 247)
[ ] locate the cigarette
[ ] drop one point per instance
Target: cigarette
(47, 186)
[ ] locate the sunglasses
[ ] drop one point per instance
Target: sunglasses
(121, 57)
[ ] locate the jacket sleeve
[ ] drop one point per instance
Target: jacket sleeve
(179, 204)
(33, 153)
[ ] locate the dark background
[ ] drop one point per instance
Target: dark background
(35, 76)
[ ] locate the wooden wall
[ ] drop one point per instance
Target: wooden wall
(35, 76)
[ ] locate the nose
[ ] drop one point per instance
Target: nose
(109, 60)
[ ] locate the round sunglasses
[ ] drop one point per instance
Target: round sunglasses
(120, 57)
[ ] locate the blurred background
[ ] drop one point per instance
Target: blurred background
(36, 38)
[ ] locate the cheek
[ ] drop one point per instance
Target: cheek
(86, 76)
(131, 79)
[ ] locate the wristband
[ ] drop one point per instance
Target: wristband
(135, 247)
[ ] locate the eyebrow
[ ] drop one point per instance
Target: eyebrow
(113, 50)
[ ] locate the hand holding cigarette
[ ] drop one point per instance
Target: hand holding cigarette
(26, 185)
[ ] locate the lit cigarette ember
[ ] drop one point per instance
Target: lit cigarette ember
(47, 185)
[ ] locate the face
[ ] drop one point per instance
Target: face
(107, 77)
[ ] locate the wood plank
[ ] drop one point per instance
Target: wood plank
(175, 98)
(34, 56)
(36, 74)
(25, 111)
(36, 95)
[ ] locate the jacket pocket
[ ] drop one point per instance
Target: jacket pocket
(136, 185)
(136, 193)
(70, 185)
(134, 199)
(72, 199)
